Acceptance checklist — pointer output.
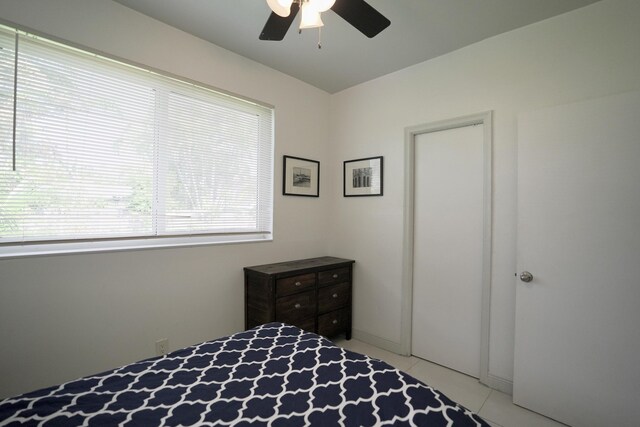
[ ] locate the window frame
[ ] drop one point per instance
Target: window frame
(27, 248)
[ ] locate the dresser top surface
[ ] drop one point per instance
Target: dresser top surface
(300, 264)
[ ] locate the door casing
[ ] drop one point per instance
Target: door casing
(485, 119)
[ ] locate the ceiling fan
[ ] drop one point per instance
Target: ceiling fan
(358, 13)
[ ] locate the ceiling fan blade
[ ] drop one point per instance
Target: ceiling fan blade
(277, 26)
(361, 15)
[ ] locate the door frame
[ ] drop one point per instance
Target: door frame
(411, 133)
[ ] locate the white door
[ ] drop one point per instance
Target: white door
(577, 343)
(448, 243)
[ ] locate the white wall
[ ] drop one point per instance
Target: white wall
(584, 54)
(66, 316)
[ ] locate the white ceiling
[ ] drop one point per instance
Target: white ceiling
(420, 30)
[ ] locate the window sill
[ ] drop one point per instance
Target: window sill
(66, 248)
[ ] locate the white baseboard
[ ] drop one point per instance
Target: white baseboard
(493, 381)
(500, 384)
(382, 343)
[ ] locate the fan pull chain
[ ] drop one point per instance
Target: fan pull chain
(319, 37)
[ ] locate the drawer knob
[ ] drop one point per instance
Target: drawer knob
(335, 295)
(335, 276)
(335, 321)
(297, 305)
(298, 283)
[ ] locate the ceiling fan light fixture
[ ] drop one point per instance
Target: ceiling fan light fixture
(310, 16)
(280, 7)
(358, 13)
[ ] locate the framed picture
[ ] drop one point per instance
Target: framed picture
(363, 177)
(300, 177)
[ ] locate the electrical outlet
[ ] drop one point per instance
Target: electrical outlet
(162, 347)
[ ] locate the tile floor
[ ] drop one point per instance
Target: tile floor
(493, 406)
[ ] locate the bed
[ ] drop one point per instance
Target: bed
(274, 374)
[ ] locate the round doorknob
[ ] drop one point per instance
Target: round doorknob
(525, 276)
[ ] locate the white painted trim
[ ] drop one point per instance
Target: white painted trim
(116, 245)
(500, 384)
(495, 382)
(375, 340)
(407, 253)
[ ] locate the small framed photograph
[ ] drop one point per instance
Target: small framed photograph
(300, 177)
(363, 177)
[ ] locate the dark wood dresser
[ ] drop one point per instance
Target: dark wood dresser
(313, 294)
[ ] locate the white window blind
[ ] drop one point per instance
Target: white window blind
(104, 150)
(7, 72)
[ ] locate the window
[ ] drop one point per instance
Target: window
(96, 154)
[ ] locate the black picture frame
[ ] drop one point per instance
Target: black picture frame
(300, 177)
(363, 177)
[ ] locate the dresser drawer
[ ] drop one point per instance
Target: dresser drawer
(333, 323)
(331, 277)
(291, 309)
(294, 284)
(333, 297)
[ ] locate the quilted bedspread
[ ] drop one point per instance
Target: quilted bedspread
(274, 374)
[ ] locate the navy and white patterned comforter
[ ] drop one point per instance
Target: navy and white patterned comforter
(274, 374)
